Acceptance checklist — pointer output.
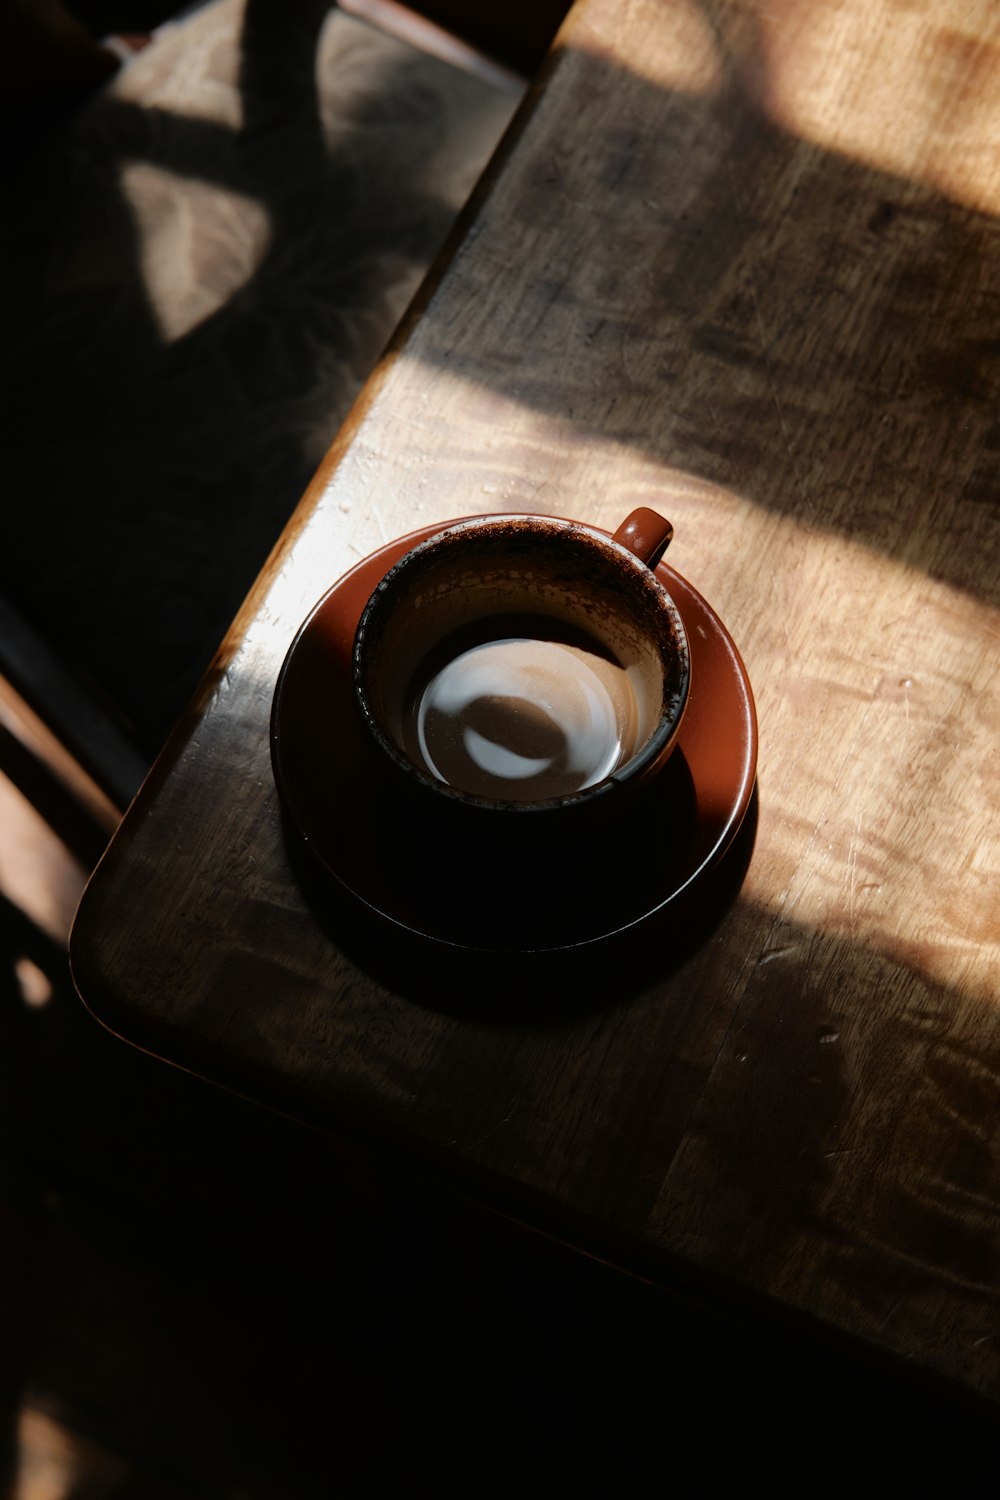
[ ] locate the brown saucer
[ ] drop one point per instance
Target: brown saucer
(390, 858)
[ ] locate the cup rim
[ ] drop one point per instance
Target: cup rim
(656, 745)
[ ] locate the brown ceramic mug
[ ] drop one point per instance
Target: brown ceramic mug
(521, 663)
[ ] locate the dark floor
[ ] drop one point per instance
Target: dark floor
(204, 263)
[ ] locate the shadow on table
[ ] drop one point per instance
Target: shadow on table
(788, 322)
(234, 1300)
(764, 1127)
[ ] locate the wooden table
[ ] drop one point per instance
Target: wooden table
(740, 262)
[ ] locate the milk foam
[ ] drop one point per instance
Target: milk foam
(525, 718)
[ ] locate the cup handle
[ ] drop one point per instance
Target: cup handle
(646, 534)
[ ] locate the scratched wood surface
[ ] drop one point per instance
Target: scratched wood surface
(741, 262)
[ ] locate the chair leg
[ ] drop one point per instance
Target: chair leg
(58, 741)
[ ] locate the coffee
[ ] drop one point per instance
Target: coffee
(522, 709)
(521, 663)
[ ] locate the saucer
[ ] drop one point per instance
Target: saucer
(388, 854)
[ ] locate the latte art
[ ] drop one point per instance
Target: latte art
(522, 718)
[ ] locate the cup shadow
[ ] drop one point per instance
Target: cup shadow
(537, 987)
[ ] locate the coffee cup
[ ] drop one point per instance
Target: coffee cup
(524, 664)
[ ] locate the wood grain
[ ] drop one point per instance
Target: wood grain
(738, 262)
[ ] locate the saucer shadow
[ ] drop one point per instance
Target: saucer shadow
(535, 987)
